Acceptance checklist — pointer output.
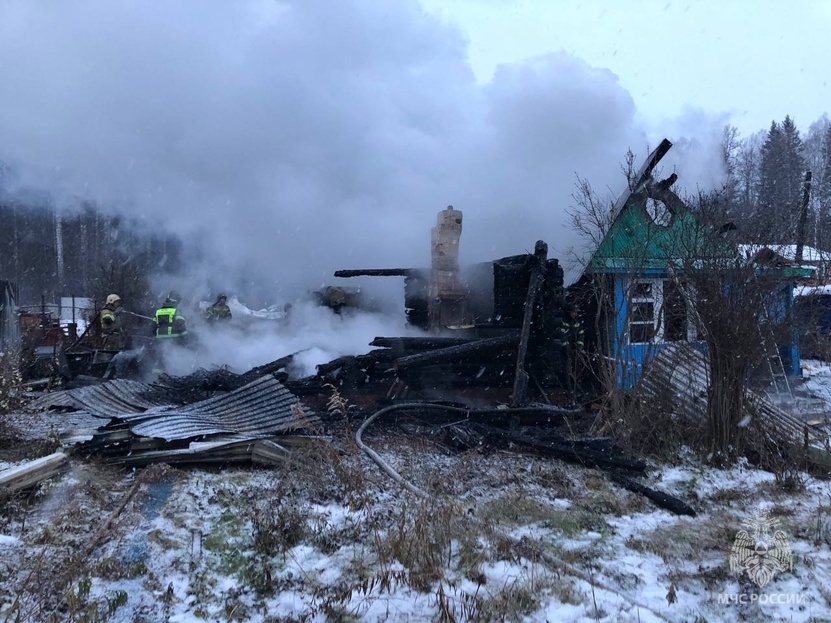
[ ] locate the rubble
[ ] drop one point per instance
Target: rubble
(146, 426)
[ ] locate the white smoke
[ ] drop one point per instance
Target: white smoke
(284, 140)
(313, 334)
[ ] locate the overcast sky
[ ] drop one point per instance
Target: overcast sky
(296, 138)
(749, 61)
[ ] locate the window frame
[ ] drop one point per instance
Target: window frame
(658, 322)
(654, 298)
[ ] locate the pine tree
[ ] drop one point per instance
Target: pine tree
(780, 183)
(822, 192)
(815, 152)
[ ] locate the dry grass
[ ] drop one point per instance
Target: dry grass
(262, 528)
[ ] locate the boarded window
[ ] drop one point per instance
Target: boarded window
(675, 313)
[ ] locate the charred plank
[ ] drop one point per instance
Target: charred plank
(452, 353)
(420, 343)
(378, 272)
(660, 498)
(597, 456)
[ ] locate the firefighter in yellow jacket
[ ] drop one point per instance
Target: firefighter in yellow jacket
(168, 322)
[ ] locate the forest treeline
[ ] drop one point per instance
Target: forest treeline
(87, 251)
(83, 251)
(766, 175)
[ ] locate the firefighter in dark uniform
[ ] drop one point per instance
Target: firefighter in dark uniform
(113, 336)
(169, 328)
(219, 310)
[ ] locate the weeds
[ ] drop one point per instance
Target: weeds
(11, 383)
(277, 530)
(83, 609)
(647, 425)
(422, 541)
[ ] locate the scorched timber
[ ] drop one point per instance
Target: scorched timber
(378, 272)
(420, 343)
(454, 353)
(588, 454)
(519, 396)
(661, 499)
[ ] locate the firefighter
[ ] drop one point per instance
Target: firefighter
(168, 323)
(334, 298)
(571, 331)
(219, 310)
(113, 336)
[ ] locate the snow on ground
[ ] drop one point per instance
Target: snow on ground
(329, 537)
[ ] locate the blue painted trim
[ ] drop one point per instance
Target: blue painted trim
(630, 359)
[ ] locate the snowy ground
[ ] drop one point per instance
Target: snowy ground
(329, 537)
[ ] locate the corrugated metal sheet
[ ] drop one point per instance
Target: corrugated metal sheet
(261, 408)
(106, 400)
(679, 375)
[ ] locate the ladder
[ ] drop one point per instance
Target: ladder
(773, 357)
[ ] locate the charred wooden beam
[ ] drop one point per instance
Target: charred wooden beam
(586, 452)
(272, 367)
(660, 498)
(524, 416)
(662, 191)
(456, 352)
(356, 361)
(519, 395)
(420, 343)
(567, 451)
(379, 272)
(645, 172)
(331, 366)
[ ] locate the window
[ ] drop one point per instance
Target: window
(658, 212)
(658, 312)
(644, 301)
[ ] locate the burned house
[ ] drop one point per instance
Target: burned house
(492, 326)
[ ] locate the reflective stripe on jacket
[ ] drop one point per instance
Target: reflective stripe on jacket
(109, 321)
(169, 323)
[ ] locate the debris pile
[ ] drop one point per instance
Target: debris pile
(146, 426)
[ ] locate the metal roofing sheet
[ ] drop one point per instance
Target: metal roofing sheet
(680, 374)
(263, 407)
(105, 400)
